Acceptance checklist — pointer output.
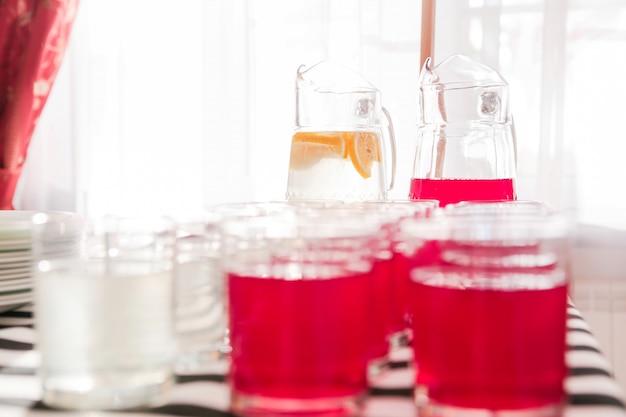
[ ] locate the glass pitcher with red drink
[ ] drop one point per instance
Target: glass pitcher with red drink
(466, 138)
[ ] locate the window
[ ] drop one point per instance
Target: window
(167, 106)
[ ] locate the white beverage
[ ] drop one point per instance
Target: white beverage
(336, 165)
(201, 320)
(105, 336)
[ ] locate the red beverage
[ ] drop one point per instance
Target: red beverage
(300, 339)
(405, 258)
(486, 348)
(450, 191)
(381, 303)
(399, 287)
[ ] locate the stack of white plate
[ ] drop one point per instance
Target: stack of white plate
(16, 256)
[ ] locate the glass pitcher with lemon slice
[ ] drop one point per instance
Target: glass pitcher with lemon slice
(338, 151)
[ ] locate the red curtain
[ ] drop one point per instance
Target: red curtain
(33, 38)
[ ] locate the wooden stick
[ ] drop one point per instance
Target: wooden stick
(426, 51)
(428, 31)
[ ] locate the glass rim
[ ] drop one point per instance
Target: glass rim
(312, 226)
(486, 223)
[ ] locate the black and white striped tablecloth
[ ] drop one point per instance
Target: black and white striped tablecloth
(592, 390)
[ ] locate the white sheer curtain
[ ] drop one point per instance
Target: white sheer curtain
(167, 106)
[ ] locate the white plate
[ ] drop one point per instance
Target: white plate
(15, 244)
(8, 216)
(16, 296)
(5, 277)
(13, 257)
(13, 277)
(25, 284)
(13, 265)
(14, 232)
(12, 306)
(11, 293)
(16, 224)
(9, 274)
(21, 273)
(10, 263)
(15, 301)
(7, 251)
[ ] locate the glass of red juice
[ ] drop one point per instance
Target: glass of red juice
(408, 253)
(299, 297)
(489, 311)
(466, 146)
(388, 327)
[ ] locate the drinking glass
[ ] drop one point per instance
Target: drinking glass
(299, 291)
(375, 218)
(200, 311)
(104, 317)
(489, 302)
(200, 293)
(390, 295)
(465, 146)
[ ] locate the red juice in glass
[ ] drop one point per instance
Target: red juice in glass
(380, 304)
(487, 348)
(450, 191)
(405, 258)
(301, 339)
(399, 287)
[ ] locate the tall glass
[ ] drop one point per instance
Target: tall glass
(104, 316)
(200, 311)
(466, 139)
(390, 279)
(489, 302)
(299, 305)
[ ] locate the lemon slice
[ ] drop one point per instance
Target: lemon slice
(308, 148)
(364, 151)
(347, 139)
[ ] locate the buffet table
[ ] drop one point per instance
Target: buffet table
(592, 390)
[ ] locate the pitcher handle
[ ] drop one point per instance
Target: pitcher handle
(514, 137)
(392, 140)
